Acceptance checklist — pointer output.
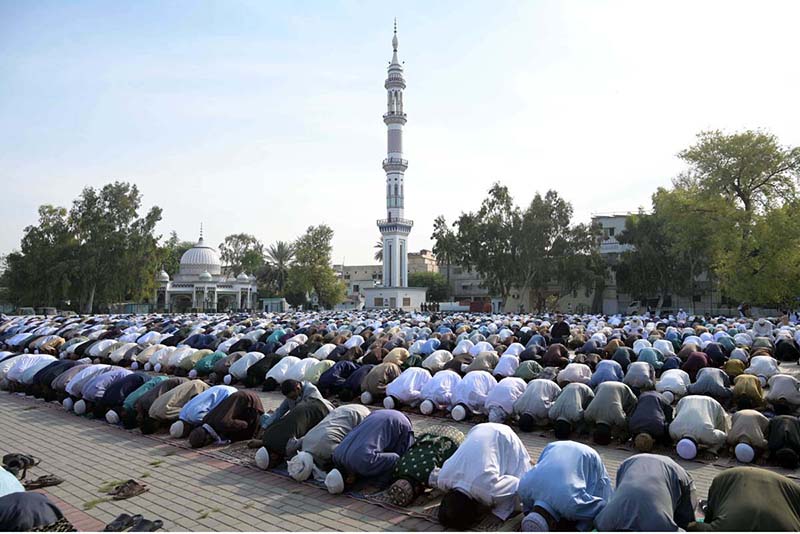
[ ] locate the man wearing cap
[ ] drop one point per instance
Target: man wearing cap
(437, 393)
(371, 450)
(566, 489)
(469, 395)
(373, 387)
(317, 446)
(751, 499)
(746, 437)
(406, 388)
(699, 422)
(483, 473)
(653, 493)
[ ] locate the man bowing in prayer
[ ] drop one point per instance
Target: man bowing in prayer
(483, 473)
(295, 393)
(566, 488)
(371, 450)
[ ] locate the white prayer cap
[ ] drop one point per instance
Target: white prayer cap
(426, 408)
(68, 402)
(80, 407)
(134, 365)
(366, 398)
(262, 458)
(300, 466)
(686, 449)
(534, 522)
(459, 413)
(744, 453)
(176, 430)
(147, 366)
(388, 403)
(668, 396)
(112, 418)
(227, 380)
(157, 368)
(334, 482)
(193, 374)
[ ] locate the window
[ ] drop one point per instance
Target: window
(356, 288)
(378, 301)
(697, 298)
(406, 301)
(611, 232)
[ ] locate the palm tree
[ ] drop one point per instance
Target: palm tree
(379, 251)
(280, 256)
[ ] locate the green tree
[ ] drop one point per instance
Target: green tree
(438, 290)
(489, 240)
(117, 248)
(312, 271)
(378, 250)
(280, 257)
(241, 253)
(446, 248)
(171, 251)
(749, 168)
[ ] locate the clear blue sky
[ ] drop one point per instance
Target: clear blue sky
(265, 117)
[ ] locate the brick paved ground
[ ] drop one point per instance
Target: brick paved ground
(192, 491)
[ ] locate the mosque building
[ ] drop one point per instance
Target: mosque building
(395, 228)
(201, 285)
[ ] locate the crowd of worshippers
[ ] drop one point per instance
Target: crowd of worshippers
(670, 383)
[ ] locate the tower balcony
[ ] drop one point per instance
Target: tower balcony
(394, 118)
(395, 164)
(395, 80)
(395, 225)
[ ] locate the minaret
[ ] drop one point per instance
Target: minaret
(395, 228)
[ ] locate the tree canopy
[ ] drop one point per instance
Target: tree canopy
(438, 288)
(241, 253)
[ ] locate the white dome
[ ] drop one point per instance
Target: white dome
(163, 276)
(205, 277)
(243, 278)
(200, 259)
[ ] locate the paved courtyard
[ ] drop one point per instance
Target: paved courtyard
(197, 491)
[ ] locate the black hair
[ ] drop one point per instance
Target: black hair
(270, 384)
(289, 386)
(786, 458)
(563, 429)
(526, 422)
(458, 510)
(346, 395)
(744, 403)
(602, 434)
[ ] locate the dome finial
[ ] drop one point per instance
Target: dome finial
(201, 231)
(394, 38)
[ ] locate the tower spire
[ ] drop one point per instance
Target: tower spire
(201, 231)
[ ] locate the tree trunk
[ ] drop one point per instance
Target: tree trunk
(90, 300)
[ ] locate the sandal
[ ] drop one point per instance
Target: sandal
(122, 522)
(129, 489)
(145, 525)
(43, 481)
(15, 463)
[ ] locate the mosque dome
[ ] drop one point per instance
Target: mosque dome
(200, 259)
(163, 276)
(205, 277)
(242, 278)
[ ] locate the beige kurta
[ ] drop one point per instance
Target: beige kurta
(168, 406)
(748, 426)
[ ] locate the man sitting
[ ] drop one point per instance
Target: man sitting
(295, 393)
(566, 489)
(483, 473)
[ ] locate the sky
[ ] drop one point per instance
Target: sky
(265, 117)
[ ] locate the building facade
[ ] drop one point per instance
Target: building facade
(200, 285)
(422, 262)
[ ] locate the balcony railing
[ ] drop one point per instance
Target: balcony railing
(395, 161)
(406, 222)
